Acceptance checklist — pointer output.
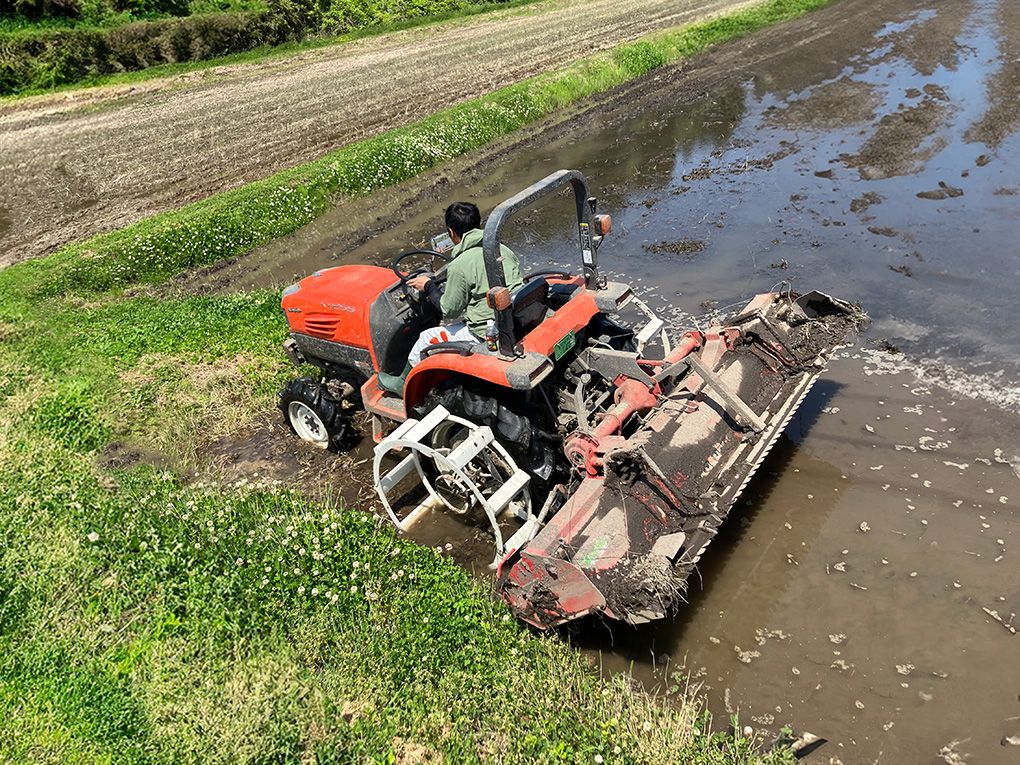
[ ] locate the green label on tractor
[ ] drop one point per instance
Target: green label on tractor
(564, 345)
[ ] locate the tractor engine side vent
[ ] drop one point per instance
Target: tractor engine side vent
(322, 325)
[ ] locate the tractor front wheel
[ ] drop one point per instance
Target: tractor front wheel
(314, 415)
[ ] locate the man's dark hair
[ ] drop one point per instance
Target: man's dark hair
(461, 217)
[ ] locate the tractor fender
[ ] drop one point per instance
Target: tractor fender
(522, 373)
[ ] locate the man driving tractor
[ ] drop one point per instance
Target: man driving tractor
(466, 314)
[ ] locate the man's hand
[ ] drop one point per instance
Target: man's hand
(419, 282)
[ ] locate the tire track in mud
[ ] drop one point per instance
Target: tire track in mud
(141, 150)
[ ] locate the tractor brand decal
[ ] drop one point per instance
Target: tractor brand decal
(564, 345)
(586, 253)
(340, 307)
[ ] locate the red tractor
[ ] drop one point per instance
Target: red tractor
(603, 471)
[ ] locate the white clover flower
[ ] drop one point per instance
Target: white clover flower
(354, 589)
(301, 590)
(598, 759)
(93, 537)
(315, 591)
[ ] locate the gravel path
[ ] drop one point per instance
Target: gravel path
(83, 162)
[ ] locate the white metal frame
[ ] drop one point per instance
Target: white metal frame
(412, 437)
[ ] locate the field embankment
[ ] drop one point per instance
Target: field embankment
(238, 220)
(82, 163)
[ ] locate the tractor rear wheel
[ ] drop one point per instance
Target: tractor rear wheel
(519, 435)
(314, 414)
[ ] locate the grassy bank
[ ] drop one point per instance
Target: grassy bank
(235, 222)
(147, 620)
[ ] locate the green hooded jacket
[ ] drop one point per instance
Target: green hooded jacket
(467, 282)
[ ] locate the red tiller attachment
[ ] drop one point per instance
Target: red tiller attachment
(664, 465)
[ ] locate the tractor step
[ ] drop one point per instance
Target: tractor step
(478, 454)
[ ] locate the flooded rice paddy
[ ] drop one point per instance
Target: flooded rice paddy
(868, 589)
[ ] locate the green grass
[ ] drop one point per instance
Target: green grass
(237, 221)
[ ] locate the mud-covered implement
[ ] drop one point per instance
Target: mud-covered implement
(665, 464)
(602, 456)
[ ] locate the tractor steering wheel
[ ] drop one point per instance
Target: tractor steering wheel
(412, 295)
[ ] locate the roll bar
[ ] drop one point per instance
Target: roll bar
(491, 240)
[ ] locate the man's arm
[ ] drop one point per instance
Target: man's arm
(454, 298)
(456, 294)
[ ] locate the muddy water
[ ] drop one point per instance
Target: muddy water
(868, 589)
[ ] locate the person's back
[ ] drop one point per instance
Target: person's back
(467, 282)
(465, 309)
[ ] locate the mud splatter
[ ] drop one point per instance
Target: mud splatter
(686, 247)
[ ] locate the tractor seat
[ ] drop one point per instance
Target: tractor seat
(530, 305)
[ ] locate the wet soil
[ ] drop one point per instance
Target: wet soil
(83, 162)
(868, 589)
(271, 453)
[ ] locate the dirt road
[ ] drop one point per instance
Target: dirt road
(85, 162)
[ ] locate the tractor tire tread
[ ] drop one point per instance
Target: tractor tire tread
(313, 394)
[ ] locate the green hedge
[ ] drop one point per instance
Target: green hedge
(46, 58)
(35, 59)
(89, 11)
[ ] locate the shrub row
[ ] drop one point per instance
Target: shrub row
(93, 11)
(44, 58)
(47, 58)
